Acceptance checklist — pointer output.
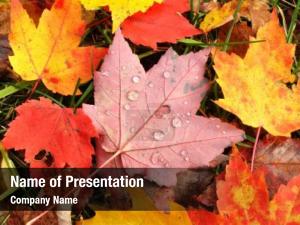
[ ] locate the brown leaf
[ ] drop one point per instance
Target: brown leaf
(4, 18)
(35, 8)
(281, 158)
(209, 196)
(22, 217)
(241, 33)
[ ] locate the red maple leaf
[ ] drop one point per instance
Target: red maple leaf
(161, 23)
(42, 125)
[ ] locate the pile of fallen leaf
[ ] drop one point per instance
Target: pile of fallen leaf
(176, 83)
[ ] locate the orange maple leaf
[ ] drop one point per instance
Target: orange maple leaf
(50, 51)
(254, 87)
(243, 199)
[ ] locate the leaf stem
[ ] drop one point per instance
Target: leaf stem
(255, 148)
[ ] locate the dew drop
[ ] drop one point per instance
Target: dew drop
(166, 74)
(127, 107)
(105, 73)
(185, 102)
(188, 114)
(166, 165)
(187, 121)
(186, 158)
(123, 67)
(132, 130)
(136, 79)
(176, 122)
(218, 126)
(132, 96)
(150, 85)
(161, 159)
(158, 135)
(155, 157)
(224, 132)
(183, 153)
(196, 77)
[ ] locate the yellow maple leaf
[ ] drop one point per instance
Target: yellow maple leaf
(255, 87)
(121, 9)
(255, 10)
(50, 51)
(176, 216)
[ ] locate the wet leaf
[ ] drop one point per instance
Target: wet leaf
(148, 118)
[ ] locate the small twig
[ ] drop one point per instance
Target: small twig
(36, 84)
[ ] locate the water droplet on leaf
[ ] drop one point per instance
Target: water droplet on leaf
(105, 73)
(150, 85)
(136, 79)
(158, 135)
(127, 107)
(132, 95)
(166, 74)
(183, 153)
(176, 122)
(155, 157)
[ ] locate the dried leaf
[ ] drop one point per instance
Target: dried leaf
(281, 159)
(255, 10)
(240, 33)
(4, 18)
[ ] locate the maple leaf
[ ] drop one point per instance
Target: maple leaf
(149, 118)
(280, 157)
(243, 199)
(255, 10)
(157, 24)
(121, 9)
(263, 83)
(42, 125)
(176, 216)
(50, 51)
